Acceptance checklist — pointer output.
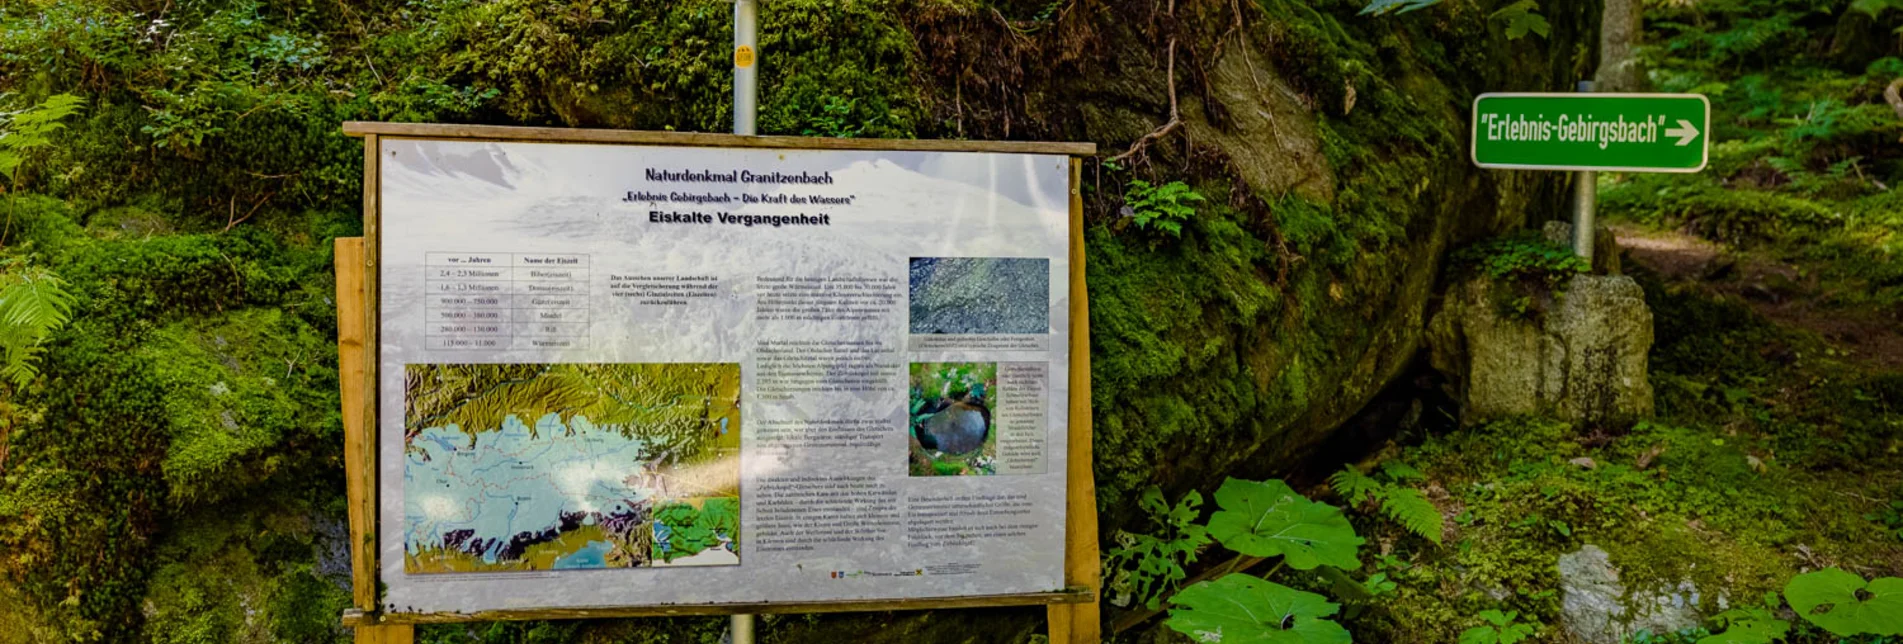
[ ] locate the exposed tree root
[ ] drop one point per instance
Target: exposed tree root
(1176, 119)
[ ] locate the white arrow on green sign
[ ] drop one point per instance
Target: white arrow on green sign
(1613, 132)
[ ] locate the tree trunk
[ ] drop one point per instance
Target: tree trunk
(1620, 32)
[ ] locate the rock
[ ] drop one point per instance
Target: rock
(1595, 608)
(1585, 462)
(1580, 356)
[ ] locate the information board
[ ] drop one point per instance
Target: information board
(632, 375)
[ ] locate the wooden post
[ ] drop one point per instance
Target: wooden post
(1078, 623)
(359, 442)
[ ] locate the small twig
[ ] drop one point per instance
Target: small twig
(1856, 496)
(1175, 121)
(233, 220)
(1894, 96)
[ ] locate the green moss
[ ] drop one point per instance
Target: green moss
(232, 397)
(245, 577)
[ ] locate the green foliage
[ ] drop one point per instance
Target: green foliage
(836, 119)
(1500, 628)
(1749, 625)
(1890, 517)
(1148, 566)
(33, 304)
(1523, 257)
(561, 632)
(1406, 506)
(1410, 508)
(30, 130)
(1521, 18)
(1845, 604)
(1874, 8)
(1356, 488)
(1161, 208)
(1267, 519)
(1249, 610)
(1803, 157)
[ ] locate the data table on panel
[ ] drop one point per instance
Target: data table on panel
(489, 301)
(551, 301)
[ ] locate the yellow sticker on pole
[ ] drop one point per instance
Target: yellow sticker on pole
(743, 57)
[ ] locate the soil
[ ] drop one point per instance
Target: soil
(1782, 292)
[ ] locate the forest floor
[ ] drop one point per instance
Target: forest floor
(1785, 293)
(1777, 449)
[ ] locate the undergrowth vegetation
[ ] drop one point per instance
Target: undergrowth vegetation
(1805, 164)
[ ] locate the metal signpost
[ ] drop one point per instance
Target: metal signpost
(1588, 133)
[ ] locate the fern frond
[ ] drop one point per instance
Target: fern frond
(1410, 508)
(1353, 486)
(32, 306)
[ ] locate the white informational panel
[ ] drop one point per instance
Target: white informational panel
(625, 375)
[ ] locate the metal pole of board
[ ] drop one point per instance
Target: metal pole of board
(746, 105)
(746, 65)
(1585, 194)
(742, 627)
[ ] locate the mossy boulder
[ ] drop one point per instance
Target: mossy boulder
(1331, 150)
(1576, 352)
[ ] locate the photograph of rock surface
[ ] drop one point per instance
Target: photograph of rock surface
(987, 295)
(513, 467)
(951, 426)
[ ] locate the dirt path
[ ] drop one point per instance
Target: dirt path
(1781, 292)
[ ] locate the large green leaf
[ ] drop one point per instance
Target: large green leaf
(1242, 609)
(1267, 519)
(1748, 626)
(1843, 604)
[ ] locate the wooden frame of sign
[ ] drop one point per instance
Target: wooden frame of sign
(1073, 611)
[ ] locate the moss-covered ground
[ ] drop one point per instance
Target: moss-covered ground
(1773, 454)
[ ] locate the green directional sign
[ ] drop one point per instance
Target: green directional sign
(1616, 132)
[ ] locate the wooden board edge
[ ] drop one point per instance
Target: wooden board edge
(1068, 595)
(702, 139)
(1079, 622)
(350, 372)
(385, 634)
